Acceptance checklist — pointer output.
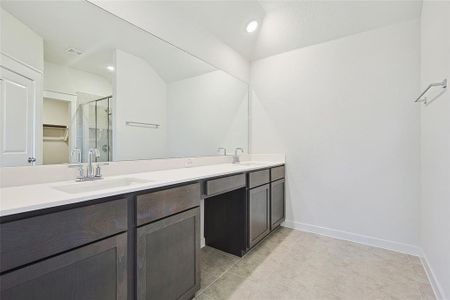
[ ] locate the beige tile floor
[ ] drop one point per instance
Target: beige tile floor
(291, 264)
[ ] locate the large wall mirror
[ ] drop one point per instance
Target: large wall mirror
(77, 77)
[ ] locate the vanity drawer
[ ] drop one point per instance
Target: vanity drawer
(28, 240)
(258, 178)
(224, 184)
(160, 204)
(277, 173)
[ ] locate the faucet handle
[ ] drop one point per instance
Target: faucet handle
(76, 153)
(238, 149)
(98, 170)
(235, 156)
(80, 170)
(224, 150)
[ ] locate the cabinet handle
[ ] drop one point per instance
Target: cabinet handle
(31, 159)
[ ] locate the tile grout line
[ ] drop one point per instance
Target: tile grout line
(220, 276)
(226, 271)
(233, 264)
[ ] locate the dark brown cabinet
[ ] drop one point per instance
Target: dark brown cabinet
(258, 178)
(277, 203)
(277, 173)
(168, 257)
(141, 245)
(224, 184)
(258, 213)
(157, 205)
(93, 272)
(31, 239)
(266, 202)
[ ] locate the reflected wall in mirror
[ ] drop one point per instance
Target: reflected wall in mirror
(74, 76)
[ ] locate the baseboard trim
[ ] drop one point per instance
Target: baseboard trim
(437, 288)
(357, 238)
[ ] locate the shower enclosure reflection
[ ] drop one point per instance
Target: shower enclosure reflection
(94, 124)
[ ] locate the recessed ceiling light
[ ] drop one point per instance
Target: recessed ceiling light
(110, 68)
(251, 26)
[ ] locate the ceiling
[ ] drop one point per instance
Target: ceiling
(287, 25)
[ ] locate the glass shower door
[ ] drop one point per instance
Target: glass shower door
(97, 128)
(103, 129)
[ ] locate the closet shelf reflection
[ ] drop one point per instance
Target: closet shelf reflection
(60, 137)
(55, 126)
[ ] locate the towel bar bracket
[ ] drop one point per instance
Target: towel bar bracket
(423, 99)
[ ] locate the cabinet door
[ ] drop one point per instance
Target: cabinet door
(277, 203)
(93, 272)
(168, 257)
(32, 239)
(259, 213)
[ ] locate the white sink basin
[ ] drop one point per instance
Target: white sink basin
(92, 186)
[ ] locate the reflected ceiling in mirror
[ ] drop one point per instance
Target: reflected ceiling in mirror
(109, 85)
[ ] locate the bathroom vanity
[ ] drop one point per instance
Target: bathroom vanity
(140, 244)
(123, 97)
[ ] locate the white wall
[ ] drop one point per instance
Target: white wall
(20, 42)
(206, 112)
(342, 112)
(139, 96)
(64, 79)
(169, 25)
(435, 145)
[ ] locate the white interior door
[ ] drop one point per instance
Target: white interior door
(17, 119)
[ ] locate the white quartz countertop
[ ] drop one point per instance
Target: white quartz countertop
(20, 199)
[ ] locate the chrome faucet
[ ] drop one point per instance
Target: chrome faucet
(91, 174)
(93, 154)
(236, 156)
(224, 150)
(76, 163)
